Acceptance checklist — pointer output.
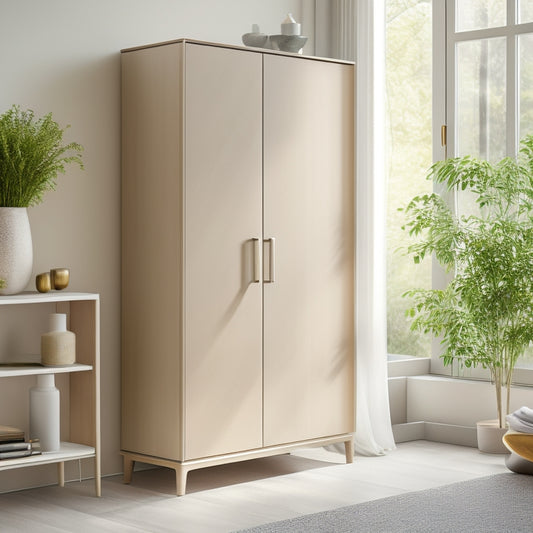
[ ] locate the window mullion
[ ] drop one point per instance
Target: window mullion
(451, 75)
(512, 15)
(512, 100)
(512, 76)
(439, 79)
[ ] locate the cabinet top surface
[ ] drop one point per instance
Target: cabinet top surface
(236, 47)
(37, 297)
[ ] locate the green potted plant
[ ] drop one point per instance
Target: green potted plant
(485, 313)
(32, 154)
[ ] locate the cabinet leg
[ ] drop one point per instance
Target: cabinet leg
(61, 474)
(181, 480)
(349, 448)
(128, 469)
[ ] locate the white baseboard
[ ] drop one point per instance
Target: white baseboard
(433, 431)
(409, 431)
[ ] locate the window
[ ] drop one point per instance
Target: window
(481, 62)
(409, 131)
(489, 93)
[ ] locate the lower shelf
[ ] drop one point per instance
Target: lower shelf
(68, 451)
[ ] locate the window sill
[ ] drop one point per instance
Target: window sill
(406, 365)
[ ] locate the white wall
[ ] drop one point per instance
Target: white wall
(444, 409)
(455, 401)
(62, 56)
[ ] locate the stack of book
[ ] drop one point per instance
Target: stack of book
(13, 444)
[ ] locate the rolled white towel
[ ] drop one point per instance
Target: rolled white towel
(524, 418)
(517, 424)
(521, 420)
(526, 413)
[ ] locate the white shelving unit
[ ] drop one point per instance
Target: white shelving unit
(83, 318)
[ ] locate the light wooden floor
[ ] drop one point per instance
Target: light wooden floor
(230, 497)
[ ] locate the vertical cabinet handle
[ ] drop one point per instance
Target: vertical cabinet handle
(257, 260)
(271, 261)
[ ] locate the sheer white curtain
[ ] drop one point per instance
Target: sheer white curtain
(355, 30)
(374, 432)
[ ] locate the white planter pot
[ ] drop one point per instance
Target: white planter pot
(489, 437)
(16, 251)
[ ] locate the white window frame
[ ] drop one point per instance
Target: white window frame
(510, 32)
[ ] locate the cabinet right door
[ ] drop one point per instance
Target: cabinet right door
(309, 211)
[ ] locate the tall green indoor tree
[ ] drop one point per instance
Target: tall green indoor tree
(485, 313)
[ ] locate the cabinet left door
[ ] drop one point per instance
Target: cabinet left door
(152, 259)
(223, 216)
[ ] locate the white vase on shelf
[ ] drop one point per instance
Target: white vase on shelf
(16, 259)
(58, 346)
(44, 413)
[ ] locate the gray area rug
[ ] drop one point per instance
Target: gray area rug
(501, 502)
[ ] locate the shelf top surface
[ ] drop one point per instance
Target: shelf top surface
(38, 297)
(69, 451)
(35, 369)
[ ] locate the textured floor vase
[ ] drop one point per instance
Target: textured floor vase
(16, 251)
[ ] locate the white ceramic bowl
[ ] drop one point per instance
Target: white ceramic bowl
(288, 43)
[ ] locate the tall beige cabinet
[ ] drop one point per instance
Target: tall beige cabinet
(238, 254)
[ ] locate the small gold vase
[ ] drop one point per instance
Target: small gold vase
(42, 282)
(59, 278)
